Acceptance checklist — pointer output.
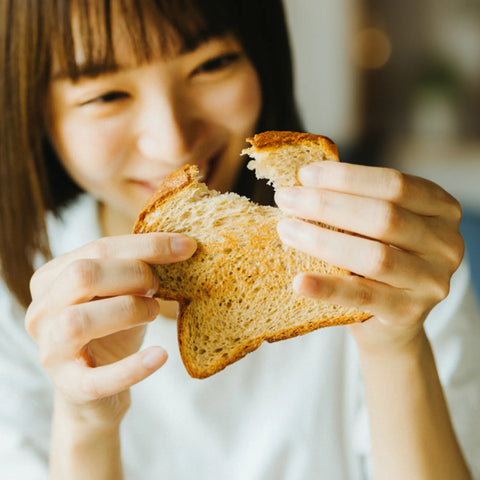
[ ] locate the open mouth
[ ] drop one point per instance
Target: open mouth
(211, 168)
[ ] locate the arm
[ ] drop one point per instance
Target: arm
(90, 449)
(410, 425)
(88, 316)
(400, 235)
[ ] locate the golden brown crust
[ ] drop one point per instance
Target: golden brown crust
(235, 356)
(256, 342)
(175, 182)
(275, 139)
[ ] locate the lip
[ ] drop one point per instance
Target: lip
(150, 186)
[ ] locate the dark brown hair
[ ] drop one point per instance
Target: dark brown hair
(32, 180)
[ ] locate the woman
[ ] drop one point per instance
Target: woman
(107, 99)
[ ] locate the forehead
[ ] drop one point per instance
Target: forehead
(95, 37)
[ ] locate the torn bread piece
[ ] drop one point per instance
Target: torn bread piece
(278, 156)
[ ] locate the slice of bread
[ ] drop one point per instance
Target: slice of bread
(236, 290)
(279, 155)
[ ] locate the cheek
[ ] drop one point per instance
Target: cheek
(237, 105)
(89, 154)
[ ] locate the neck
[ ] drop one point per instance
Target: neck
(114, 222)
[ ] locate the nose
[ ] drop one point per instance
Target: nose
(169, 130)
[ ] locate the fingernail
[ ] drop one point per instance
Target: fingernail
(154, 359)
(183, 246)
(310, 175)
(286, 197)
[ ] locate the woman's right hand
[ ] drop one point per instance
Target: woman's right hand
(88, 316)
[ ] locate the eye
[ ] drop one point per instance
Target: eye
(217, 63)
(108, 97)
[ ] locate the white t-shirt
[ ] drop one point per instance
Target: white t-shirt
(291, 410)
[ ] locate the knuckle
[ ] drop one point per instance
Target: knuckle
(453, 251)
(396, 183)
(457, 212)
(381, 260)
(84, 273)
(364, 296)
(440, 290)
(141, 271)
(458, 249)
(34, 284)
(99, 248)
(143, 275)
(33, 321)
(30, 321)
(72, 324)
(453, 207)
(389, 218)
(131, 305)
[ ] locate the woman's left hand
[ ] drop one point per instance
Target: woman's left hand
(400, 235)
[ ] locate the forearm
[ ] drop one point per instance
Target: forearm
(412, 434)
(83, 449)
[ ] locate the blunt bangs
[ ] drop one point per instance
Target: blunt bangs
(84, 32)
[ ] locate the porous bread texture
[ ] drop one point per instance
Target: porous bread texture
(278, 156)
(235, 292)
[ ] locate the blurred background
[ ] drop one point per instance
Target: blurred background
(397, 84)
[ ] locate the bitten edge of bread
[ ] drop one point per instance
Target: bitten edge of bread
(173, 184)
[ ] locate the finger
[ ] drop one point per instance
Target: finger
(363, 256)
(86, 279)
(95, 383)
(152, 248)
(110, 379)
(369, 217)
(410, 192)
(368, 296)
(79, 324)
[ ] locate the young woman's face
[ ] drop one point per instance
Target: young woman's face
(119, 134)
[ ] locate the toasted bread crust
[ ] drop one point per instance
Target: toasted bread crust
(274, 139)
(255, 343)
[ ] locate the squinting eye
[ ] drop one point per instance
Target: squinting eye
(217, 63)
(108, 97)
